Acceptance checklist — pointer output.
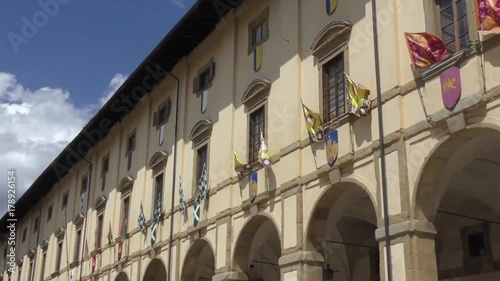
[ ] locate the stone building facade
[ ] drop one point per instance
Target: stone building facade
(230, 69)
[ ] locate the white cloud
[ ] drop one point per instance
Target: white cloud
(114, 84)
(36, 126)
(178, 3)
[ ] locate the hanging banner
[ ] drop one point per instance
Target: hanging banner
(488, 12)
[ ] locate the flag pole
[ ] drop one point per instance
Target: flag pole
(86, 210)
(66, 239)
(385, 200)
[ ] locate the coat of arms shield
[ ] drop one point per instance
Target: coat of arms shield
(332, 147)
(451, 87)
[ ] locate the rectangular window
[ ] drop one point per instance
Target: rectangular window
(477, 244)
(104, 171)
(65, 200)
(126, 208)
(49, 212)
(257, 125)
(25, 231)
(130, 149)
(454, 24)
(30, 272)
(78, 238)
(84, 184)
(202, 159)
(205, 77)
(100, 226)
(131, 143)
(44, 258)
(158, 191)
(258, 30)
(36, 224)
(59, 255)
(334, 104)
(160, 117)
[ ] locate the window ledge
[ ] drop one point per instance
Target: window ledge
(458, 57)
(337, 122)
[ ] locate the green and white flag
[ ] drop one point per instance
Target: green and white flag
(156, 220)
(182, 198)
(201, 194)
(143, 226)
(203, 183)
(197, 210)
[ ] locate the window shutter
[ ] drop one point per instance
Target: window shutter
(196, 84)
(155, 118)
(212, 70)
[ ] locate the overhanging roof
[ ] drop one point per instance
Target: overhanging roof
(182, 39)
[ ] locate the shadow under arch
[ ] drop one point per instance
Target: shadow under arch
(350, 191)
(122, 276)
(341, 228)
(199, 262)
(444, 161)
(258, 248)
(155, 271)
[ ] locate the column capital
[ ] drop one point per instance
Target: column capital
(409, 227)
(230, 276)
(301, 257)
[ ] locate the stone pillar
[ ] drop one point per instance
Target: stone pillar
(301, 266)
(230, 276)
(412, 249)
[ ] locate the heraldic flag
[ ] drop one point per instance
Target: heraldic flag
(425, 49)
(156, 219)
(123, 236)
(314, 124)
(201, 193)
(238, 165)
(488, 14)
(182, 198)
(264, 157)
(142, 221)
(358, 98)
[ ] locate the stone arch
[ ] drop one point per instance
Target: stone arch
(155, 271)
(328, 198)
(437, 172)
(199, 261)
(122, 276)
(341, 228)
(257, 231)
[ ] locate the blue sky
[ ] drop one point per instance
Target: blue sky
(85, 43)
(59, 64)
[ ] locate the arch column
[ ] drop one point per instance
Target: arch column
(413, 251)
(301, 265)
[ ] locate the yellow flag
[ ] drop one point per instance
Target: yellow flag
(314, 124)
(358, 98)
(264, 157)
(238, 165)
